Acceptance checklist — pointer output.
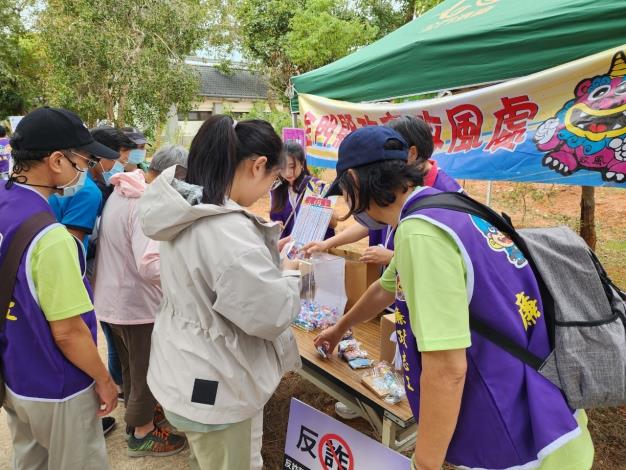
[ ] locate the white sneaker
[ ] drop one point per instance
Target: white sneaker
(345, 412)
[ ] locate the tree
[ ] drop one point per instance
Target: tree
(290, 36)
(122, 60)
(18, 83)
(263, 26)
(286, 37)
(323, 32)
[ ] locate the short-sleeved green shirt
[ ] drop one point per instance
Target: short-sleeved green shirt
(57, 277)
(433, 276)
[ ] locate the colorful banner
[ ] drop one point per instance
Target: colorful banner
(316, 441)
(565, 125)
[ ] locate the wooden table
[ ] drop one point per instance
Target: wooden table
(394, 424)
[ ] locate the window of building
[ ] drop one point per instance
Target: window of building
(194, 116)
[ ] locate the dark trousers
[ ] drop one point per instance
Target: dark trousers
(133, 348)
(115, 369)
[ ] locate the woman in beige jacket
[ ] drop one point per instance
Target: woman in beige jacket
(221, 340)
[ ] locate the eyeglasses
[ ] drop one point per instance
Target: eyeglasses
(91, 161)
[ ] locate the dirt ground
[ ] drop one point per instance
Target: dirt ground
(528, 205)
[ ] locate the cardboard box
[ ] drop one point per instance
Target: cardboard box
(359, 276)
(387, 348)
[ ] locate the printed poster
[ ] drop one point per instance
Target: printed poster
(316, 441)
(294, 134)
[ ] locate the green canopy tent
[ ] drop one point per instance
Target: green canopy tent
(470, 42)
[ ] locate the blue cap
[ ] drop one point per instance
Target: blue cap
(365, 146)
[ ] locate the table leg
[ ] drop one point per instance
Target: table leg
(390, 430)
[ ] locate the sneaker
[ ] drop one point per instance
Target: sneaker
(130, 430)
(159, 417)
(345, 412)
(108, 423)
(157, 443)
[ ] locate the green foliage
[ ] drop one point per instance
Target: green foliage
(286, 37)
(18, 76)
(278, 119)
(122, 60)
(323, 32)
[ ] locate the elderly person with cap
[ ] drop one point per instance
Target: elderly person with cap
(56, 383)
(127, 297)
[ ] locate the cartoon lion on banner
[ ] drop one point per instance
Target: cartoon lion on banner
(590, 130)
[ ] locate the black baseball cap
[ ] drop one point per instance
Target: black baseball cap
(49, 129)
(135, 135)
(364, 146)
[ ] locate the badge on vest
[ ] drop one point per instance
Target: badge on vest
(500, 242)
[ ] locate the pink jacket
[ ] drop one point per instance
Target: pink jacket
(127, 290)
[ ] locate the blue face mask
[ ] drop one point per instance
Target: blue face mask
(115, 169)
(366, 221)
(136, 156)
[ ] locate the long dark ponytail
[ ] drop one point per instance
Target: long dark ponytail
(220, 145)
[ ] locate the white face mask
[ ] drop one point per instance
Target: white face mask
(76, 184)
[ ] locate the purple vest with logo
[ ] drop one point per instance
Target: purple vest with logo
(33, 365)
(311, 182)
(510, 415)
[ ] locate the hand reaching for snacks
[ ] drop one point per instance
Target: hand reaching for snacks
(328, 339)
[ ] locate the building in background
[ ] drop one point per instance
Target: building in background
(237, 92)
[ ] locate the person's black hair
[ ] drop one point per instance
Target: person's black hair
(220, 146)
(417, 133)
(111, 137)
(281, 194)
(3, 131)
(24, 160)
(379, 182)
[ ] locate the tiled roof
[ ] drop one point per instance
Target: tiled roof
(240, 84)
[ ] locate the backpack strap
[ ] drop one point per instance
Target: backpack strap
(20, 241)
(463, 203)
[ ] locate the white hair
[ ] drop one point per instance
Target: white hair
(167, 156)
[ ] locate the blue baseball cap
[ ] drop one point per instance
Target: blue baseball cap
(364, 146)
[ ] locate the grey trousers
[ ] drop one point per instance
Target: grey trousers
(56, 435)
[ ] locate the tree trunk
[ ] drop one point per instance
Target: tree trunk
(109, 106)
(587, 216)
(271, 99)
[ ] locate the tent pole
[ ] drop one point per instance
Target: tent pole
(294, 119)
(488, 199)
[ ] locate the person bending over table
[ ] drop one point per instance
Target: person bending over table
(417, 134)
(476, 405)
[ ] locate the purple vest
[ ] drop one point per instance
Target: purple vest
(5, 154)
(284, 215)
(33, 365)
(509, 413)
